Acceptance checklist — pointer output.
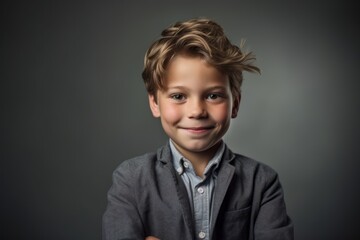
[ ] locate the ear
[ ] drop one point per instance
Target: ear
(236, 105)
(154, 106)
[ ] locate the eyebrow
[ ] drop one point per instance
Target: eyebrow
(211, 88)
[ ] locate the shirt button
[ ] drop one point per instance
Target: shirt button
(186, 164)
(200, 190)
(179, 170)
(202, 235)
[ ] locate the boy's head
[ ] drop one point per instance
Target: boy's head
(199, 38)
(193, 76)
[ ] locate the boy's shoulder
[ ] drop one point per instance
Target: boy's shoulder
(253, 171)
(251, 164)
(144, 160)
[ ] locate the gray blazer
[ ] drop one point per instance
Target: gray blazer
(148, 198)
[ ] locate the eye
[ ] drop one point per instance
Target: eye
(213, 96)
(177, 97)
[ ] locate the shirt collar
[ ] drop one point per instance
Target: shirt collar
(212, 166)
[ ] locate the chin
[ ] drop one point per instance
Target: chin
(200, 148)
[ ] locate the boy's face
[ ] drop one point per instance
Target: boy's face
(196, 105)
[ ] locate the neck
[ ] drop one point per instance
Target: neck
(200, 160)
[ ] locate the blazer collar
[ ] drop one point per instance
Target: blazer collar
(164, 154)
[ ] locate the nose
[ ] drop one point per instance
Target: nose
(197, 109)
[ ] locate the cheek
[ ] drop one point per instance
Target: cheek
(171, 114)
(222, 113)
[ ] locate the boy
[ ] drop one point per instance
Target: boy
(194, 187)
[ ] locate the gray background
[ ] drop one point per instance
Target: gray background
(73, 106)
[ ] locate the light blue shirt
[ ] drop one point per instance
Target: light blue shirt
(200, 190)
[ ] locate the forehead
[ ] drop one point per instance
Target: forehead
(189, 69)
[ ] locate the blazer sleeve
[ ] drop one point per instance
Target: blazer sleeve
(272, 222)
(121, 219)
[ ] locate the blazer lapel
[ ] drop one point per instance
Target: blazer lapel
(223, 180)
(164, 155)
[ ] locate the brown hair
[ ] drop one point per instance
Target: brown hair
(198, 37)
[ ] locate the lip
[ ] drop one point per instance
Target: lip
(198, 129)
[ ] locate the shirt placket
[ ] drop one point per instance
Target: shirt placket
(201, 213)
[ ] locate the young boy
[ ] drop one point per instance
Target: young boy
(194, 187)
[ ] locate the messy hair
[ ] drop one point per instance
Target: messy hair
(201, 38)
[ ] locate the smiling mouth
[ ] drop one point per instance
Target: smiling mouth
(198, 129)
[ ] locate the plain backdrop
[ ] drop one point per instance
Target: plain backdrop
(73, 107)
